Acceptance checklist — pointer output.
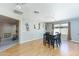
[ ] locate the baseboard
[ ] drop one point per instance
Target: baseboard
(75, 41)
(29, 40)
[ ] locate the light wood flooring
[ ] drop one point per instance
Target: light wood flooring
(36, 48)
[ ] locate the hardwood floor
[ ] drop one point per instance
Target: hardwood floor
(36, 48)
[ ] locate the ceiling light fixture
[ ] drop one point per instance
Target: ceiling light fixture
(36, 12)
(18, 8)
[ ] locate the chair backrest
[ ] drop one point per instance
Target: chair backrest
(59, 36)
(46, 35)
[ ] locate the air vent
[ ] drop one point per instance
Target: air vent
(18, 12)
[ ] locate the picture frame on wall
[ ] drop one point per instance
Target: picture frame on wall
(34, 27)
(52, 26)
(38, 26)
(27, 26)
(45, 26)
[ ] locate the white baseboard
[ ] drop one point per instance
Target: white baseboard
(29, 40)
(75, 41)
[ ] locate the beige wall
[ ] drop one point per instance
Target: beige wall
(7, 28)
(1, 26)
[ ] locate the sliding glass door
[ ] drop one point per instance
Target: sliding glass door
(63, 29)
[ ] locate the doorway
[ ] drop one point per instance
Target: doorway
(9, 32)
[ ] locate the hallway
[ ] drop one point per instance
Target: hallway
(9, 32)
(36, 48)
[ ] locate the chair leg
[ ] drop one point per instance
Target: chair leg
(57, 43)
(52, 43)
(60, 43)
(49, 45)
(44, 43)
(53, 46)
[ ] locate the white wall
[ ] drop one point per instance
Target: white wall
(24, 36)
(75, 30)
(32, 34)
(58, 11)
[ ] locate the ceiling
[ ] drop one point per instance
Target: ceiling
(48, 12)
(51, 11)
(45, 11)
